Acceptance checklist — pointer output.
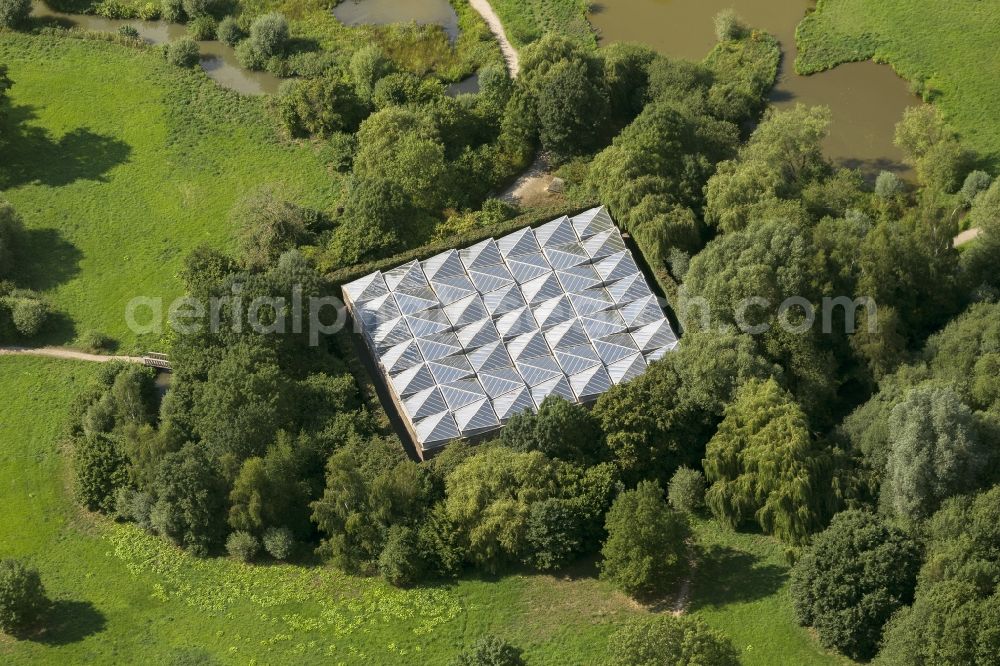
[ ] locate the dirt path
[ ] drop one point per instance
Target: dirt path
(967, 237)
(532, 185)
(59, 352)
(496, 27)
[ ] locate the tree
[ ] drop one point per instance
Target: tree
(934, 452)
(14, 13)
(368, 65)
(28, 312)
(976, 182)
(378, 214)
(554, 532)
(101, 468)
(243, 546)
(764, 466)
(932, 147)
(669, 639)
(278, 542)
(266, 224)
(646, 546)
(182, 53)
(399, 562)
(269, 34)
(490, 651)
(851, 580)
(571, 106)
(229, 32)
(686, 490)
(728, 25)
(889, 186)
(561, 429)
(319, 107)
(22, 597)
(190, 500)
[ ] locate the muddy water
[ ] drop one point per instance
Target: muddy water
(469, 85)
(866, 99)
(217, 59)
(383, 12)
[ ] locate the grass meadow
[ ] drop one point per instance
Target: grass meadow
(946, 49)
(527, 20)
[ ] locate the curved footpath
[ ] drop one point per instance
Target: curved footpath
(58, 352)
(496, 27)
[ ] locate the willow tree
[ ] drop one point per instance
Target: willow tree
(764, 466)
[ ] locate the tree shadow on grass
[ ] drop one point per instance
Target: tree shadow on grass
(45, 259)
(725, 575)
(70, 622)
(33, 155)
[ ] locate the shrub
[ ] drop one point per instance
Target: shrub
(22, 597)
(250, 56)
(666, 639)
(149, 11)
(28, 313)
(554, 532)
(888, 186)
(975, 182)
(95, 341)
(267, 225)
(728, 25)
(11, 229)
(490, 651)
(196, 8)
(278, 542)
(269, 33)
(399, 562)
(14, 13)
(229, 31)
(183, 52)
(101, 469)
(172, 11)
(243, 546)
(686, 491)
(202, 28)
(128, 31)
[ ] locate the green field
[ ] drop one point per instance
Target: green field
(122, 596)
(527, 20)
(946, 49)
(126, 169)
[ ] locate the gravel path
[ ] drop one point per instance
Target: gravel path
(967, 237)
(58, 352)
(496, 27)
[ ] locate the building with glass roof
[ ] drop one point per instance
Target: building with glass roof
(468, 338)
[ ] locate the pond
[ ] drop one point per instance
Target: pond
(217, 59)
(865, 98)
(384, 12)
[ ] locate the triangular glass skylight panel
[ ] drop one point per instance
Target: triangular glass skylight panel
(515, 323)
(617, 266)
(515, 402)
(415, 299)
(541, 288)
(590, 383)
(378, 310)
(439, 345)
(461, 393)
(653, 336)
(539, 369)
(602, 324)
(446, 264)
(556, 386)
(629, 289)
(518, 243)
(592, 222)
(477, 334)
(590, 301)
(626, 368)
(556, 232)
(657, 354)
(466, 311)
(407, 276)
(528, 345)
(564, 256)
(413, 380)
(425, 403)
(528, 266)
(641, 312)
(401, 357)
(615, 347)
(501, 380)
(367, 288)
(451, 368)
(491, 278)
(476, 417)
(578, 278)
(489, 357)
(391, 333)
(436, 430)
(567, 334)
(480, 255)
(503, 300)
(574, 360)
(453, 288)
(604, 244)
(553, 311)
(428, 322)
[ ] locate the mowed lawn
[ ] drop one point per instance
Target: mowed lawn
(122, 596)
(949, 46)
(120, 164)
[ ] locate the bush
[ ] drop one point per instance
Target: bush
(22, 597)
(666, 639)
(250, 56)
(490, 651)
(14, 13)
(196, 8)
(243, 546)
(554, 532)
(399, 562)
(101, 470)
(686, 491)
(28, 313)
(172, 11)
(95, 342)
(888, 186)
(202, 28)
(183, 52)
(278, 542)
(269, 33)
(128, 31)
(975, 182)
(229, 31)
(728, 25)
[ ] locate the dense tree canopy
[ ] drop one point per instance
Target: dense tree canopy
(668, 639)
